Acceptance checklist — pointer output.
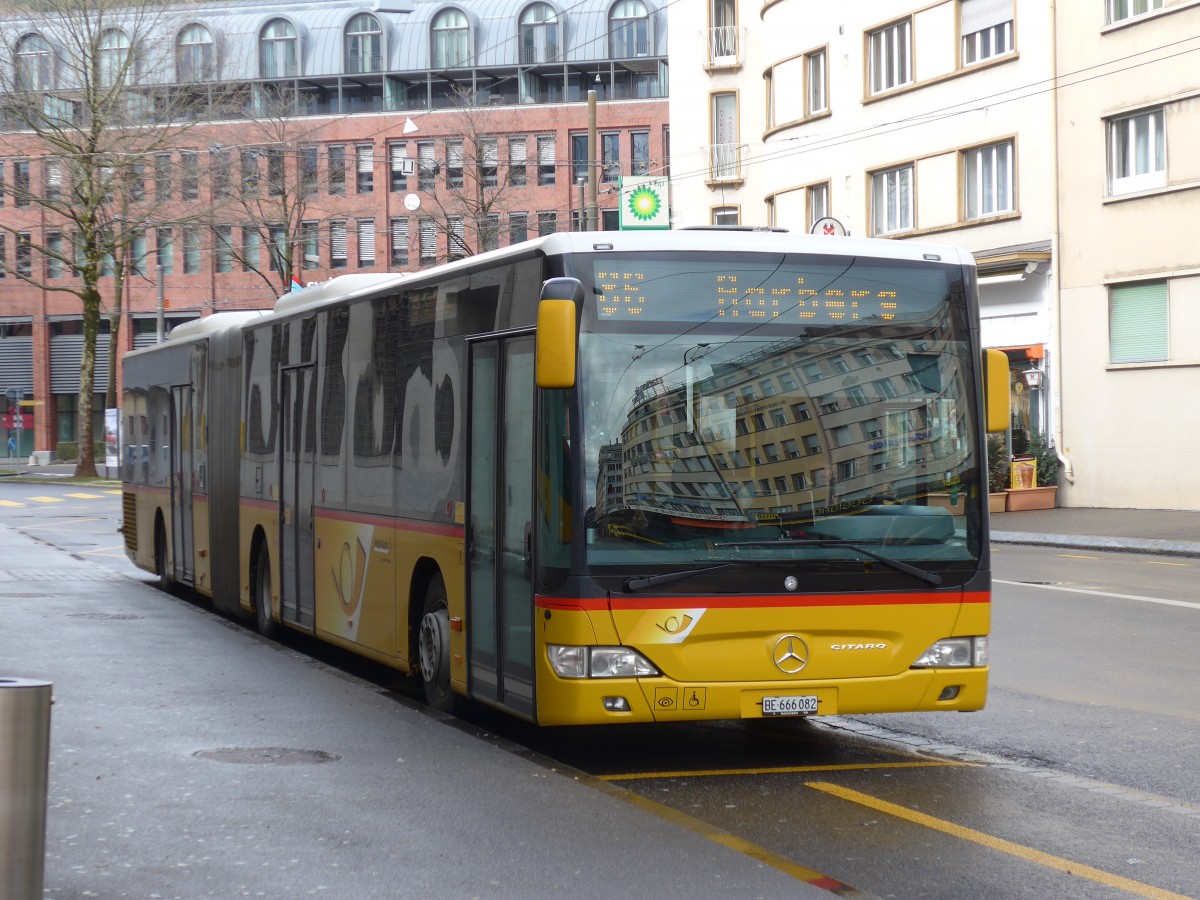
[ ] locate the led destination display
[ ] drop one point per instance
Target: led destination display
(797, 291)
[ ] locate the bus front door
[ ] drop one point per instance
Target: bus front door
(182, 524)
(297, 445)
(500, 498)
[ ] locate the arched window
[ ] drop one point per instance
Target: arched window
(35, 62)
(451, 39)
(278, 53)
(194, 57)
(537, 30)
(113, 62)
(364, 45)
(628, 30)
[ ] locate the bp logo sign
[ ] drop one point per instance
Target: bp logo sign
(644, 203)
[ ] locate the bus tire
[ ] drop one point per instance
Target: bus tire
(161, 571)
(433, 647)
(261, 580)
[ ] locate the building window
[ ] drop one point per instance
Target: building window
(277, 50)
(189, 164)
(892, 200)
(35, 64)
(223, 244)
(20, 182)
(547, 222)
(364, 45)
(310, 236)
(277, 246)
(546, 159)
(723, 36)
(579, 158)
(818, 203)
(191, 250)
(52, 178)
(308, 171)
(275, 170)
(726, 215)
(537, 34)
(399, 165)
(489, 162)
(337, 170)
(988, 180)
(890, 63)
(337, 245)
(1137, 322)
(628, 30)
(250, 249)
(3, 260)
(816, 82)
(364, 155)
(427, 241)
(1120, 10)
(517, 173)
(138, 253)
(24, 251)
(426, 166)
(454, 164)
(194, 59)
(249, 173)
(164, 249)
(54, 249)
(725, 162)
(399, 238)
(366, 243)
(162, 177)
(987, 29)
(451, 40)
(113, 62)
(610, 155)
(489, 232)
(518, 227)
(639, 155)
(1137, 152)
(456, 243)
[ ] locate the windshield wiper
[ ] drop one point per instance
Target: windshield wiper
(637, 583)
(928, 577)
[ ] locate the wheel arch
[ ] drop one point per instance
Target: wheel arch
(424, 571)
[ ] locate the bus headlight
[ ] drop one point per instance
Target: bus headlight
(955, 653)
(598, 662)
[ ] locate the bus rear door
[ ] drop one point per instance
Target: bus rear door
(297, 446)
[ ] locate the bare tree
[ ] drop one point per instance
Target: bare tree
(89, 93)
(477, 192)
(270, 183)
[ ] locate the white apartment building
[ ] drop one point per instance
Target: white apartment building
(898, 118)
(1129, 258)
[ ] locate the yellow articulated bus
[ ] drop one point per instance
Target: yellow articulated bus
(597, 477)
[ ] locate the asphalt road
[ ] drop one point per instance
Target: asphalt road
(1078, 780)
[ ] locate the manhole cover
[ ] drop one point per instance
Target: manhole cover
(267, 756)
(123, 616)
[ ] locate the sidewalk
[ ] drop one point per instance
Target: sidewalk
(1168, 532)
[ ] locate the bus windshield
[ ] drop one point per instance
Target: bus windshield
(795, 408)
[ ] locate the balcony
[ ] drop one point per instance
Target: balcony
(725, 163)
(723, 47)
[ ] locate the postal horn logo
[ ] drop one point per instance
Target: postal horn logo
(349, 576)
(645, 204)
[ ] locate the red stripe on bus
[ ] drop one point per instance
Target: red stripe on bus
(258, 504)
(338, 515)
(750, 601)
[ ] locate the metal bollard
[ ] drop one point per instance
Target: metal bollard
(24, 769)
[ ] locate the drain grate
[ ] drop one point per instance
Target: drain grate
(121, 616)
(267, 756)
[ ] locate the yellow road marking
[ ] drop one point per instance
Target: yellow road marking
(786, 770)
(47, 499)
(1180, 565)
(1074, 556)
(86, 496)
(1048, 860)
(115, 493)
(12, 503)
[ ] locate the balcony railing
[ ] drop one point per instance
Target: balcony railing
(725, 162)
(724, 46)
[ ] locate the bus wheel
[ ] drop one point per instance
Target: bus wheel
(262, 592)
(160, 558)
(433, 644)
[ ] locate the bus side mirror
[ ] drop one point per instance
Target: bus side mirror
(557, 338)
(995, 391)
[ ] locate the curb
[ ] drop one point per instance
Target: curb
(1092, 542)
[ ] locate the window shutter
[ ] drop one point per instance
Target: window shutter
(1138, 322)
(366, 158)
(454, 154)
(977, 15)
(366, 240)
(516, 151)
(337, 240)
(428, 238)
(426, 156)
(400, 233)
(545, 150)
(398, 153)
(489, 150)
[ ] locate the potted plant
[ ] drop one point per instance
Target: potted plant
(998, 466)
(1045, 492)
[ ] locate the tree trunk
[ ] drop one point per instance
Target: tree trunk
(86, 466)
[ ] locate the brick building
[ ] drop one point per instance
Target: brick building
(326, 137)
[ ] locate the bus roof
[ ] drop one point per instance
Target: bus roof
(703, 240)
(212, 324)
